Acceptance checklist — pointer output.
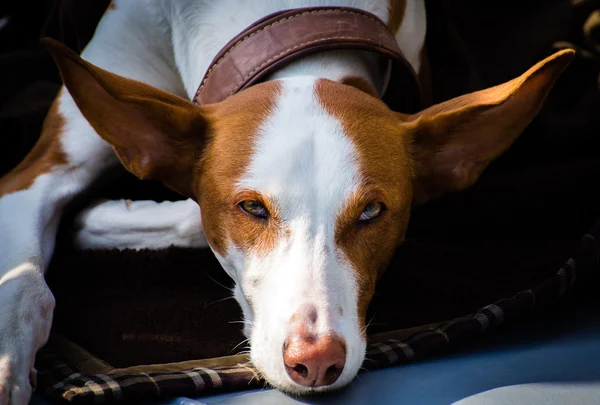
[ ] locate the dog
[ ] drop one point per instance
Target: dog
(302, 184)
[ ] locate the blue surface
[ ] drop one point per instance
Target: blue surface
(539, 394)
(557, 347)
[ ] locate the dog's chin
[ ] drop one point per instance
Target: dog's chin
(273, 372)
(296, 390)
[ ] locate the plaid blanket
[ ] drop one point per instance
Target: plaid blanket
(466, 53)
(61, 381)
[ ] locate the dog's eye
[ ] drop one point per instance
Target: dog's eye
(254, 208)
(371, 211)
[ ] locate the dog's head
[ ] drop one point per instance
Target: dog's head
(305, 188)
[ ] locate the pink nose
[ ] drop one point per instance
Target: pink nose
(312, 361)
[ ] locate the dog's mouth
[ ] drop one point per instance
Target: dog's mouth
(302, 342)
(298, 361)
(311, 379)
(312, 361)
(306, 363)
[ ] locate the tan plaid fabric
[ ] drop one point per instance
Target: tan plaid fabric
(62, 382)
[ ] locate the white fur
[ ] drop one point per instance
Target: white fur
(316, 174)
(126, 224)
(26, 307)
(168, 44)
(411, 35)
(202, 27)
(29, 219)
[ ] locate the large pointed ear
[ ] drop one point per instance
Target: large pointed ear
(453, 142)
(157, 135)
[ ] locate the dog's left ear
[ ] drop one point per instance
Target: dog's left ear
(156, 135)
(453, 142)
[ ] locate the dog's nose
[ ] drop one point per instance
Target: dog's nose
(312, 361)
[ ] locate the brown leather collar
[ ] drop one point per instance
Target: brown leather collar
(285, 36)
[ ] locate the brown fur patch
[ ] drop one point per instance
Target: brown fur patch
(385, 165)
(45, 155)
(198, 151)
(360, 83)
(397, 9)
(454, 141)
(155, 134)
(233, 133)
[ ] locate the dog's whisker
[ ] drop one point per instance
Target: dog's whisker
(217, 301)
(242, 322)
(230, 289)
(256, 374)
(239, 344)
(251, 379)
(370, 321)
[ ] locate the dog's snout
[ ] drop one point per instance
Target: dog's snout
(314, 361)
(306, 316)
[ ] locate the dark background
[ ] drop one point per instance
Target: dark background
(511, 230)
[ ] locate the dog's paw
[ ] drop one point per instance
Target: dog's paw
(125, 224)
(26, 308)
(16, 384)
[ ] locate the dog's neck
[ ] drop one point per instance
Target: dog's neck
(200, 29)
(341, 66)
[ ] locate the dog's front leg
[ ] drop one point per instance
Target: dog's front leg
(66, 160)
(125, 224)
(32, 198)
(26, 306)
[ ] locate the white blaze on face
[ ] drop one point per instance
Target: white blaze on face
(306, 167)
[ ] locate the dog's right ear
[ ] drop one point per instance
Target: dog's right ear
(454, 141)
(156, 135)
